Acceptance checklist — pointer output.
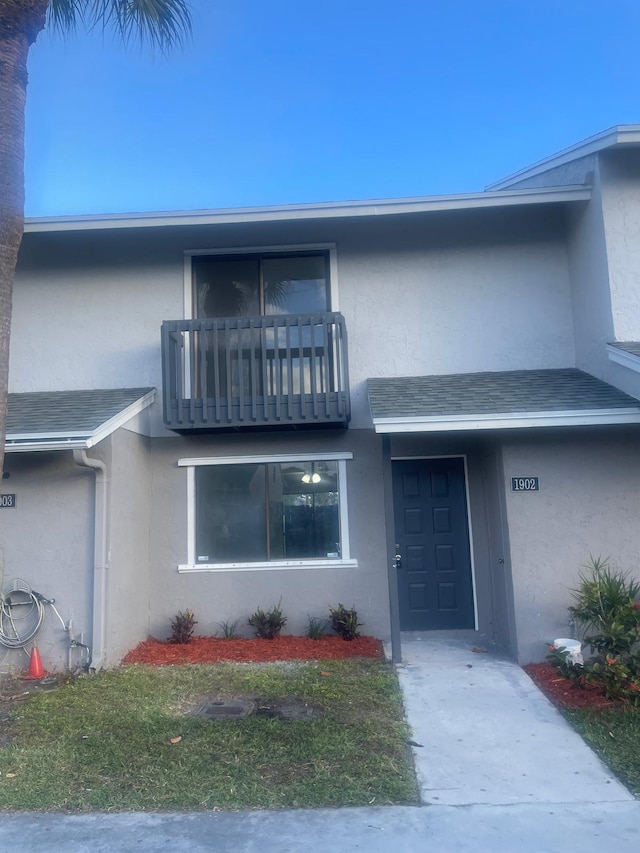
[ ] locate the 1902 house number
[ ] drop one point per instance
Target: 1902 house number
(525, 484)
(7, 501)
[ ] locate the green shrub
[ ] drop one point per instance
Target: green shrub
(316, 628)
(344, 622)
(607, 612)
(267, 624)
(229, 629)
(182, 627)
(607, 609)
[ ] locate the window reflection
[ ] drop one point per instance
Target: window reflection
(276, 511)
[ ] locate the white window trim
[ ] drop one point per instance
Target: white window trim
(192, 565)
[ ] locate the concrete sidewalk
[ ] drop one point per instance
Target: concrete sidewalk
(430, 829)
(498, 767)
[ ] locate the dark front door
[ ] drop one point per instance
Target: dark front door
(435, 587)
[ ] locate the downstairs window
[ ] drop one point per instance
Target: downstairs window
(267, 512)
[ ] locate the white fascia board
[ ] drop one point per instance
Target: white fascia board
(626, 359)
(327, 210)
(72, 441)
(272, 457)
(121, 418)
(26, 446)
(619, 135)
(509, 420)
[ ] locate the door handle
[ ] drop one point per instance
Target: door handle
(397, 560)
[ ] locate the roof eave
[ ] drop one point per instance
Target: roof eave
(329, 210)
(30, 442)
(626, 359)
(18, 445)
(508, 420)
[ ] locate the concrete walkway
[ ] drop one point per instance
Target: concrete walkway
(489, 736)
(499, 770)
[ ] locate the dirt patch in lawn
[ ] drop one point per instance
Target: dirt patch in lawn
(564, 693)
(213, 650)
(15, 689)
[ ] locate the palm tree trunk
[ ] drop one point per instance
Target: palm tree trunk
(20, 23)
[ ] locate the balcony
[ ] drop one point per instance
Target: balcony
(255, 372)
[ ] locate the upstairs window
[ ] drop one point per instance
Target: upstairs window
(261, 285)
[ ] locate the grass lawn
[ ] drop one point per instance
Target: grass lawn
(615, 735)
(128, 740)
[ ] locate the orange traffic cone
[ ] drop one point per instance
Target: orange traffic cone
(35, 666)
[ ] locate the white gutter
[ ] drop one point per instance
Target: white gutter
(324, 210)
(19, 446)
(508, 420)
(100, 557)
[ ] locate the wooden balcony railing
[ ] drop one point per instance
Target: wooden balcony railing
(239, 372)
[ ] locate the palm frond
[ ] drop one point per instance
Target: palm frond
(160, 23)
(163, 24)
(64, 15)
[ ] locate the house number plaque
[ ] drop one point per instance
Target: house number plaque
(525, 484)
(7, 501)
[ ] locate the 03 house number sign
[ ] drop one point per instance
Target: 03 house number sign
(7, 501)
(525, 484)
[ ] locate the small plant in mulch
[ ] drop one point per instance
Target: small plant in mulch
(267, 624)
(182, 627)
(344, 622)
(607, 611)
(316, 628)
(229, 629)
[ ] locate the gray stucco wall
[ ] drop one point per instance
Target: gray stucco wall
(223, 595)
(130, 534)
(470, 290)
(587, 505)
(47, 541)
(591, 300)
(621, 211)
(604, 261)
(430, 303)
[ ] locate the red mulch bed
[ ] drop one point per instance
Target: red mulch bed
(213, 650)
(563, 693)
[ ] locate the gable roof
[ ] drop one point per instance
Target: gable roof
(63, 420)
(500, 400)
(614, 137)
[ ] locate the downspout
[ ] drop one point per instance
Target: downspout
(100, 557)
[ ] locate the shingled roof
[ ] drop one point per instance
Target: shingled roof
(52, 420)
(497, 400)
(632, 347)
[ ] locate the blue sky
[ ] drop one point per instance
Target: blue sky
(292, 101)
